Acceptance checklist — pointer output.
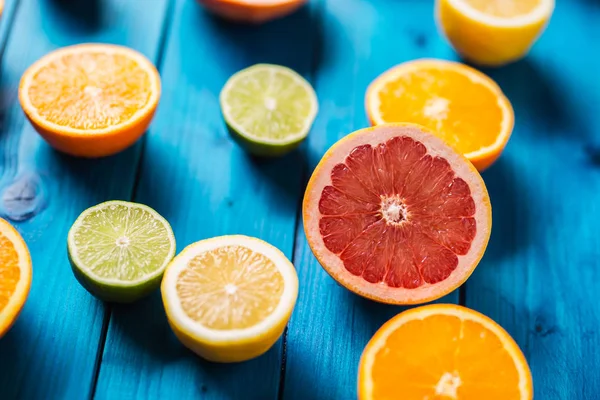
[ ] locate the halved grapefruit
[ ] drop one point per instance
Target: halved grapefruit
(396, 215)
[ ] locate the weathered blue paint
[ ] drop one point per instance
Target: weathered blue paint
(538, 278)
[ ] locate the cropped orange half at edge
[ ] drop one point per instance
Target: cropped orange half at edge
(443, 352)
(252, 11)
(90, 100)
(15, 275)
(396, 215)
(460, 104)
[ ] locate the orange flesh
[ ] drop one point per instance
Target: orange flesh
(90, 91)
(9, 270)
(230, 287)
(462, 112)
(444, 357)
(504, 8)
(396, 215)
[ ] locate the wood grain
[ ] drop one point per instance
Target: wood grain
(538, 278)
(51, 351)
(205, 185)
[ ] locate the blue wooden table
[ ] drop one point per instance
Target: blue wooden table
(539, 278)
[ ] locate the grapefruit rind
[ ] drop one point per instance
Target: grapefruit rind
(485, 156)
(378, 291)
(377, 342)
(12, 309)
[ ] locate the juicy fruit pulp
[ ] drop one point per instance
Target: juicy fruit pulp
(229, 298)
(269, 108)
(443, 352)
(15, 275)
(460, 104)
(10, 273)
(396, 215)
(447, 106)
(90, 91)
(230, 287)
(119, 250)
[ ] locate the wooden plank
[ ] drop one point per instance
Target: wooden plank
(196, 177)
(51, 351)
(330, 325)
(539, 277)
(6, 20)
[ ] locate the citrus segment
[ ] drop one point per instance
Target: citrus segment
(119, 250)
(90, 100)
(460, 104)
(229, 298)
(252, 11)
(230, 287)
(443, 352)
(15, 275)
(493, 32)
(269, 109)
(395, 215)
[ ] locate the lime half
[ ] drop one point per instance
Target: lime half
(119, 250)
(269, 109)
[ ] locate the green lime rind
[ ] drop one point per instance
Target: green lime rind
(262, 149)
(113, 289)
(244, 100)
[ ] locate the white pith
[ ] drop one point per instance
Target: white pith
(195, 329)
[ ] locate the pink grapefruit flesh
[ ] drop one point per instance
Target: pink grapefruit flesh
(394, 214)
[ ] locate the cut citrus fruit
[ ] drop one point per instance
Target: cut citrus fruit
(252, 11)
(119, 250)
(269, 109)
(90, 100)
(443, 351)
(493, 32)
(15, 275)
(229, 298)
(460, 104)
(395, 215)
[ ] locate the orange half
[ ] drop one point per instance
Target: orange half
(461, 105)
(15, 275)
(90, 100)
(443, 352)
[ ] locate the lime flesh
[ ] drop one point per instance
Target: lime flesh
(269, 109)
(119, 250)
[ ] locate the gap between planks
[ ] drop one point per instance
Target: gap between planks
(162, 44)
